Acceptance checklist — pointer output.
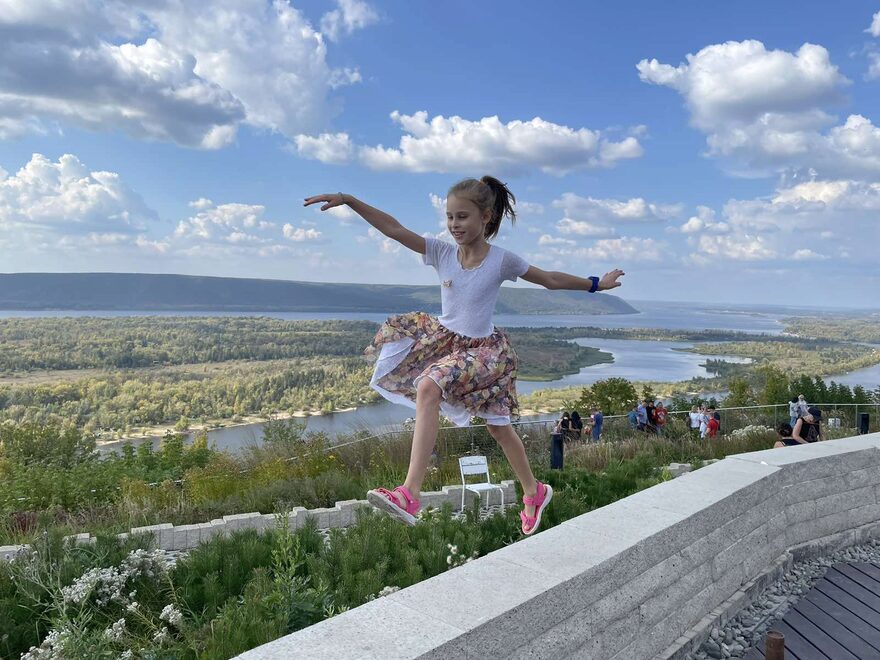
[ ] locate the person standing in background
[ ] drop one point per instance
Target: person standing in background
(642, 416)
(704, 422)
(713, 424)
(651, 411)
(793, 412)
(694, 420)
(803, 406)
(598, 419)
(660, 415)
(577, 426)
(807, 428)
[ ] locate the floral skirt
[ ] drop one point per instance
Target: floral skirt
(477, 375)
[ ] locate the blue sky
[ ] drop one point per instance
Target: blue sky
(716, 153)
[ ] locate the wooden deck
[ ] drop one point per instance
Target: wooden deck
(838, 619)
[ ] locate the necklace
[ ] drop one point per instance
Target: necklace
(448, 283)
(478, 266)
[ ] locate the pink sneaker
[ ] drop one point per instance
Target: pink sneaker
(384, 499)
(540, 501)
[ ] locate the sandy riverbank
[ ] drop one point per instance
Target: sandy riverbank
(160, 430)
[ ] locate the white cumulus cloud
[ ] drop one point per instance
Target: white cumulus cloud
(349, 15)
(768, 110)
(455, 144)
(704, 220)
(334, 148)
(874, 28)
(301, 234)
(185, 72)
(805, 254)
(583, 228)
(625, 249)
(46, 200)
(547, 239)
(613, 211)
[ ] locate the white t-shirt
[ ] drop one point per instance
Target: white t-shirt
(468, 295)
(695, 419)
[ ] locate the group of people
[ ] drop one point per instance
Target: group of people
(705, 421)
(648, 416)
(571, 426)
(803, 426)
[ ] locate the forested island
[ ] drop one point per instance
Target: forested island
(120, 373)
(139, 291)
(114, 375)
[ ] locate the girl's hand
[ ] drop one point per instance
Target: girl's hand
(330, 200)
(609, 280)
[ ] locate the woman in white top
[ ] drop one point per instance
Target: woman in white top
(459, 363)
(694, 417)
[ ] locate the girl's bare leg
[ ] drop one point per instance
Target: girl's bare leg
(428, 397)
(515, 451)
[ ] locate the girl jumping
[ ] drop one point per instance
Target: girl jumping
(458, 363)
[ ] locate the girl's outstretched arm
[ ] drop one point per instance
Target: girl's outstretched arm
(389, 226)
(557, 280)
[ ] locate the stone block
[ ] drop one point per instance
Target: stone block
(678, 469)
(347, 510)
(611, 639)
(265, 522)
(186, 537)
(653, 638)
(858, 516)
(816, 488)
(9, 552)
(238, 521)
(844, 501)
(664, 601)
(322, 517)
(178, 539)
(497, 604)
(742, 548)
(800, 511)
(816, 528)
(154, 531)
(165, 538)
(378, 630)
(818, 460)
(297, 517)
(710, 496)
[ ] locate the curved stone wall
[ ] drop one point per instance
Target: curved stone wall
(630, 580)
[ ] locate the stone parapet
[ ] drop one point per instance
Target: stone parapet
(186, 537)
(634, 579)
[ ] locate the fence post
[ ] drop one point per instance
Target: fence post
(774, 646)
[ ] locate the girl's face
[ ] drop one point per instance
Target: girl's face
(465, 221)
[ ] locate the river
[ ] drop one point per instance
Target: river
(633, 359)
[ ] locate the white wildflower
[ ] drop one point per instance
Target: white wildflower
(115, 632)
(172, 615)
(52, 648)
(161, 635)
(132, 606)
(127, 654)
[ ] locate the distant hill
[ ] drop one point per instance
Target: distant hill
(137, 291)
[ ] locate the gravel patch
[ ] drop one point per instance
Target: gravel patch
(747, 629)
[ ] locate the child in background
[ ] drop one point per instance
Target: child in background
(713, 423)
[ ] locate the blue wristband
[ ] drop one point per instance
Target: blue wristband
(595, 285)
